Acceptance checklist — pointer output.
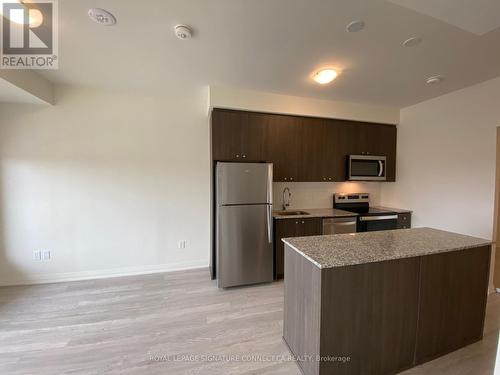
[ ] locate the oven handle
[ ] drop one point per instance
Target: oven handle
(374, 218)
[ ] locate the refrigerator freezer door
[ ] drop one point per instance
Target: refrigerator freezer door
(244, 245)
(244, 183)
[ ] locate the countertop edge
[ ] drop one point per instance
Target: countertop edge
(334, 214)
(396, 210)
(311, 214)
(284, 217)
(361, 262)
(304, 255)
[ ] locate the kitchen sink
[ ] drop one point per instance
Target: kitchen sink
(291, 213)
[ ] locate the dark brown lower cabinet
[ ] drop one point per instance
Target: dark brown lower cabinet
(286, 228)
(404, 220)
(452, 301)
(385, 317)
(373, 321)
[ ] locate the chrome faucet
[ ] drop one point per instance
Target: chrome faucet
(286, 201)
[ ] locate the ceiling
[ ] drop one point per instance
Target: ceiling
(477, 16)
(273, 46)
(10, 93)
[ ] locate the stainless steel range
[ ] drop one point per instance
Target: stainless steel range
(370, 218)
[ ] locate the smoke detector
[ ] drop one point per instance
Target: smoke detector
(183, 32)
(102, 17)
(434, 80)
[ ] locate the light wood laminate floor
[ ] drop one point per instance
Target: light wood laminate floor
(137, 325)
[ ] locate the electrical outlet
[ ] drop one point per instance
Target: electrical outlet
(46, 255)
(181, 244)
(37, 255)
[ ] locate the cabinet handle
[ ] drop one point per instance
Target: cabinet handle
(237, 156)
(330, 179)
(296, 222)
(324, 179)
(243, 156)
(291, 178)
(285, 178)
(302, 222)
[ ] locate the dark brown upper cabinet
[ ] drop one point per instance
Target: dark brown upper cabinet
(237, 136)
(301, 148)
(282, 146)
(317, 150)
(361, 138)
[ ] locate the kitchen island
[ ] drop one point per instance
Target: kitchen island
(382, 302)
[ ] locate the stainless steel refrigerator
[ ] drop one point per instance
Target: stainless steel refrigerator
(244, 223)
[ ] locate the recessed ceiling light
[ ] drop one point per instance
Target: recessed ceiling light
(325, 76)
(412, 42)
(102, 17)
(434, 80)
(355, 26)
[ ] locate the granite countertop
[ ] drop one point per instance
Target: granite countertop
(341, 250)
(316, 212)
(397, 210)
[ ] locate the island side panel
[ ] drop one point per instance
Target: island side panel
(301, 326)
(454, 288)
(369, 313)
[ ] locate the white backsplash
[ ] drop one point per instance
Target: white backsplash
(320, 194)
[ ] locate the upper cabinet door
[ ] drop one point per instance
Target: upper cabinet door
(331, 165)
(388, 142)
(345, 133)
(282, 146)
(227, 134)
(254, 137)
(311, 163)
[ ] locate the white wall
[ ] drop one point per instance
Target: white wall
(446, 161)
(107, 182)
(320, 194)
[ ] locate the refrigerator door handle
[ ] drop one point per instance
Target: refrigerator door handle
(270, 224)
(270, 184)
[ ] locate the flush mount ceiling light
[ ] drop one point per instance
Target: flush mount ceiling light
(355, 26)
(412, 42)
(434, 80)
(324, 76)
(183, 32)
(102, 17)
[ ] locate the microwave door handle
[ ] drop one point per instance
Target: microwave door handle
(381, 168)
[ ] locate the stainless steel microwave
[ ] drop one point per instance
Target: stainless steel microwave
(366, 168)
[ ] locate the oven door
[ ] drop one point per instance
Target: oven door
(374, 223)
(366, 168)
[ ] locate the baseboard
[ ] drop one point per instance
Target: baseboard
(34, 279)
